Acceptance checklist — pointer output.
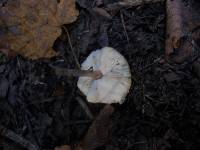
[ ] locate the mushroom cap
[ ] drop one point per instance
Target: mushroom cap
(115, 82)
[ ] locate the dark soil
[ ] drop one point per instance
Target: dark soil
(161, 111)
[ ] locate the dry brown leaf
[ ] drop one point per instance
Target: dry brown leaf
(63, 147)
(99, 132)
(30, 27)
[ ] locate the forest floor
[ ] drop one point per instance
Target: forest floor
(161, 111)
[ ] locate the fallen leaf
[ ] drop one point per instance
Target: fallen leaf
(31, 27)
(63, 147)
(99, 132)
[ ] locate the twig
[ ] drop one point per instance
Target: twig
(71, 47)
(140, 2)
(17, 138)
(130, 3)
(154, 62)
(124, 26)
(68, 120)
(85, 107)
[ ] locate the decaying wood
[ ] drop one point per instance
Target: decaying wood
(180, 38)
(17, 138)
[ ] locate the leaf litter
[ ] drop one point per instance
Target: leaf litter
(160, 112)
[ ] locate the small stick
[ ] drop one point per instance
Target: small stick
(124, 26)
(140, 2)
(17, 138)
(131, 3)
(71, 47)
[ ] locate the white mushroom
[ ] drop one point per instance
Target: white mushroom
(114, 82)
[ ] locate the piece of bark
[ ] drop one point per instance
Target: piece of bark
(99, 132)
(180, 35)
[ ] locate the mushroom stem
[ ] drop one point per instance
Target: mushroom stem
(77, 73)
